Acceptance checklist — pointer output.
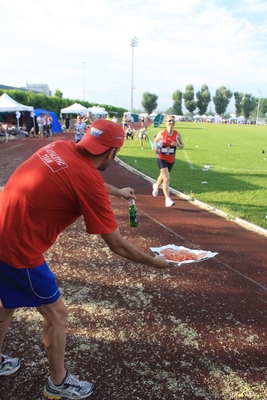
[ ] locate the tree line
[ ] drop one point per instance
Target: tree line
(245, 103)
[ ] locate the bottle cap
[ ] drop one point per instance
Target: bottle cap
(132, 202)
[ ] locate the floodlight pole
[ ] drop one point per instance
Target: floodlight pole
(134, 43)
(258, 108)
(114, 93)
(84, 79)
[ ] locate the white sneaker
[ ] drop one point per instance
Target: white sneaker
(8, 365)
(168, 202)
(155, 190)
(71, 388)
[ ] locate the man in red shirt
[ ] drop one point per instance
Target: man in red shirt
(47, 193)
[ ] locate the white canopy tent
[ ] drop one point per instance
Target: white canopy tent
(217, 119)
(210, 118)
(97, 110)
(9, 105)
(241, 119)
(75, 108)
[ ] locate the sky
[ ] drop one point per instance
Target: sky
(84, 48)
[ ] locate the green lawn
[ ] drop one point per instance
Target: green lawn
(237, 174)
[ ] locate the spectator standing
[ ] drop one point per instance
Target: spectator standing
(50, 123)
(46, 132)
(142, 120)
(170, 139)
(40, 123)
(114, 119)
(67, 123)
(124, 123)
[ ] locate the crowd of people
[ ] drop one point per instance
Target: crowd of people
(9, 131)
(44, 122)
(42, 128)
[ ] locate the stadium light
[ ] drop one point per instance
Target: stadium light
(134, 43)
(84, 79)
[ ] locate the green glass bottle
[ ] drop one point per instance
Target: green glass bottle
(133, 213)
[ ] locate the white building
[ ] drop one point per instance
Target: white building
(39, 87)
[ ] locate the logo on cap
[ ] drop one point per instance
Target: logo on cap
(95, 132)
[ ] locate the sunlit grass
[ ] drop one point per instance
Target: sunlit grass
(237, 167)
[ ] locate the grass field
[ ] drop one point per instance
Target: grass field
(236, 173)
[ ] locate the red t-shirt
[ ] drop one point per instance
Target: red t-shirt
(167, 152)
(47, 193)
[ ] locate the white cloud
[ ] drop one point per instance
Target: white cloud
(196, 42)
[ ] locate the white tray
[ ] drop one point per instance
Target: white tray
(209, 254)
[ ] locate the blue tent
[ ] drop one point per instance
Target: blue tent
(56, 127)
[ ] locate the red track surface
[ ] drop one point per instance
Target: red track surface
(223, 300)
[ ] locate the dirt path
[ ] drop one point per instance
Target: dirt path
(193, 332)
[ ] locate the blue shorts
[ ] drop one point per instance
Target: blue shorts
(27, 287)
(164, 164)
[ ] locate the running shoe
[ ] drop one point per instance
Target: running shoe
(155, 190)
(169, 202)
(9, 366)
(71, 388)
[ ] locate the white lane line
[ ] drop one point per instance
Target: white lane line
(188, 160)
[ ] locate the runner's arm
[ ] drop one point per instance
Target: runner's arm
(180, 142)
(157, 139)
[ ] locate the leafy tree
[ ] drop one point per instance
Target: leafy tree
(58, 94)
(248, 104)
(177, 103)
(169, 111)
(18, 95)
(221, 99)
(149, 102)
(189, 98)
(203, 99)
(263, 107)
(238, 99)
(41, 101)
(30, 98)
(55, 104)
